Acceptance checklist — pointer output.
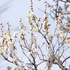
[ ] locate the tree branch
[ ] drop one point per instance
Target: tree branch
(65, 59)
(9, 60)
(44, 37)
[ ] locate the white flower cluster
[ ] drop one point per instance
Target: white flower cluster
(45, 21)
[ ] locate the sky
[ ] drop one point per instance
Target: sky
(14, 10)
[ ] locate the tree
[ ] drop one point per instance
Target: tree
(53, 47)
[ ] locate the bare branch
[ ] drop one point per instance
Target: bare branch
(65, 59)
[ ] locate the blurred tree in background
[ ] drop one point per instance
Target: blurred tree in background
(5, 6)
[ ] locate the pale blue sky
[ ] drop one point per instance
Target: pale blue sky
(18, 9)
